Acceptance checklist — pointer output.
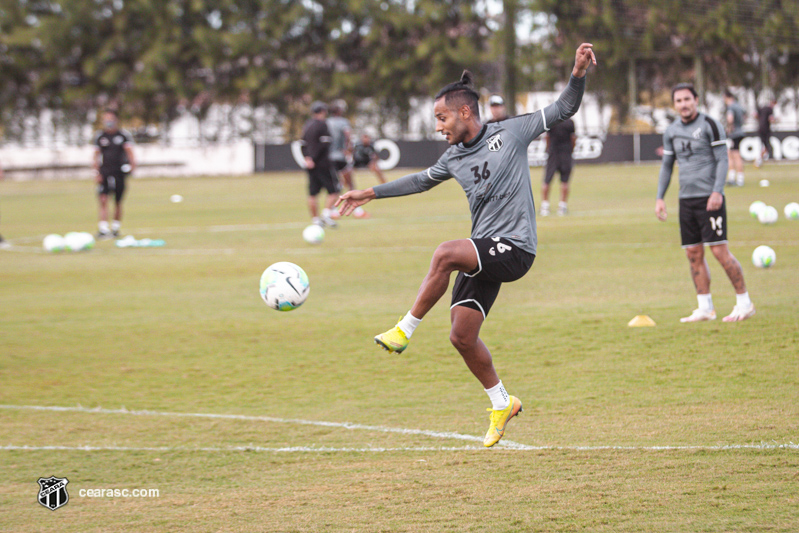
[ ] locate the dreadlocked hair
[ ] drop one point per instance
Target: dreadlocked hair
(461, 93)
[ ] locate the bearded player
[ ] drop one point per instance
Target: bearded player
(490, 163)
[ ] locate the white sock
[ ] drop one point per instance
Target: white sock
(742, 300)
(358, 211)
(498, 396)
(740, 176)
(115, 225)
(731, 176)
(705, 302)
(102, 226)
(544, 204)
(325, 212)
(562, 205)
(408, 324)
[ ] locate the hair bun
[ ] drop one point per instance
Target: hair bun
(467, 78)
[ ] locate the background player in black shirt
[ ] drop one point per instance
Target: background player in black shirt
(364, 155)
(113, 161)
(560, 145)
(321, 173)
(765, 116)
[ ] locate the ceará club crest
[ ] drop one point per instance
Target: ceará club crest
(494, 143)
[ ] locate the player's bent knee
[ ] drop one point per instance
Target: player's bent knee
(448, 256)
(462, 341)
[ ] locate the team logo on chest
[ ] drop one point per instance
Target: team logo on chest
(494, 143)
(697, 133)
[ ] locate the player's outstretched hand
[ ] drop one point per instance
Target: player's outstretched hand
(660, 210)
(348, 201)
(585, 58)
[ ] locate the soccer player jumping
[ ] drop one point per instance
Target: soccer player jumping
(490, 163)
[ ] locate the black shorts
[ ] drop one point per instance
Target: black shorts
(339, 165)
(498, 261)
(700, 226)
(558, 161)
(112, 183)
(322, 177)
(736, 143)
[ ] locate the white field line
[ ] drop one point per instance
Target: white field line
(23, 249)
(279, 226)
(139, 251)
(346, 425)
(288, 449)
(307, 250)
(375, 449)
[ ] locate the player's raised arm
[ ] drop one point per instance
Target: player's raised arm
(569, 101)
(583, 59)
(530, 126)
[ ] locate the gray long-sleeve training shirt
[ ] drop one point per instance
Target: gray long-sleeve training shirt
(700, 147)
(494, 172)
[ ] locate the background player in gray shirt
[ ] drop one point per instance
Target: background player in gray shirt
(735, 131)
(340, 141)
(490, 163)
(697, 142)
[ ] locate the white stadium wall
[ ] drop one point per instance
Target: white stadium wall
(74, 162)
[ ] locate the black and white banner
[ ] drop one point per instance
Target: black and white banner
(588, 149)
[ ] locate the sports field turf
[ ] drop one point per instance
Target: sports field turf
(304, 425)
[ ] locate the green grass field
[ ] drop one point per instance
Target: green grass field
(672, 428)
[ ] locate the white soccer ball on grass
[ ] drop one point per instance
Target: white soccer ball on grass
(313, 234)
(763, 257)
(74, 241)
(77, 241)
(768, 215)
(88, 240)
(284, 286)
(54, 243)
(792, 211)
(756, 207)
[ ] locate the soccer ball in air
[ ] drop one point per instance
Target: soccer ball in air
(756, 207)
(54, 243)
(313, 234)
(763, 257)
(768, 215)
(792, 211)
(284, 286)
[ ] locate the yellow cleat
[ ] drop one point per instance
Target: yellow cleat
(499, 420)
(393, 340)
